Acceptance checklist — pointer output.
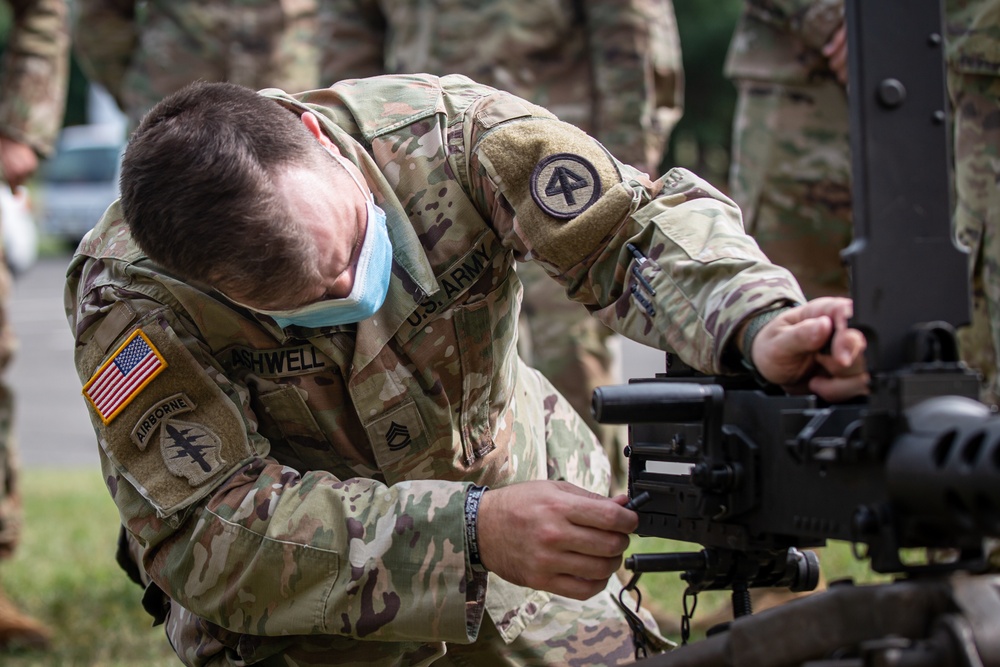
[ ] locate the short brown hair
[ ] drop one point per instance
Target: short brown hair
(197, 190)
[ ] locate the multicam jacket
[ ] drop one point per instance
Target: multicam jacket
(311, 482)
(611, 68)
(782, 40)
(35, 72)
(973, 36)
(143, 51)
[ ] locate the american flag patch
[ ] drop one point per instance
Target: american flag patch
(121, 378)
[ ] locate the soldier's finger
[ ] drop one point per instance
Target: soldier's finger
(603, 514)
(575, 587)
(836, 389)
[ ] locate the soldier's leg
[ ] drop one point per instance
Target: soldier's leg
(565, 631)
(573, 350)
(16, 629)
(170, 56)
(791, 177)
(591, 632)
(976, 104)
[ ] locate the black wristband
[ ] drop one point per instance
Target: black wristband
(472, 498)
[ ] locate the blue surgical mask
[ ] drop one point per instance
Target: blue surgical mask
(371, 280)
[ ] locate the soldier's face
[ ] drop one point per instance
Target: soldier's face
(333, 213)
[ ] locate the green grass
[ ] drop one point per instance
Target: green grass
(65, 575)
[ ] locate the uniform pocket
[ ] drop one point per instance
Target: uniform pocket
(473, 328)
(290, 426)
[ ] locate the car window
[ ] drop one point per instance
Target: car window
(97, 164)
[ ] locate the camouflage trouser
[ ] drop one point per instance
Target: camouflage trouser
(261, 44)
(976, 107)
(570, 348)
(565, 632)
(790, 175)
(10, 498)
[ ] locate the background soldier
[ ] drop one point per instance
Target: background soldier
(143, 51)
(33, 97)
(973, 48)
(612, 69)
(790, 172)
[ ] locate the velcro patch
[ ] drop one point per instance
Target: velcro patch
(566, 190)
(177, 435)
(120, 379)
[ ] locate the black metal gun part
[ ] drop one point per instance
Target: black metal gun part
(755, 475)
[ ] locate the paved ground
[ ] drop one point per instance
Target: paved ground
(52, 422)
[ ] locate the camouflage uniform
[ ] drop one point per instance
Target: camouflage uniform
(296, 491)
(143, 51)
(34, 77)
(973, 43)
(611, 68)
(790, 172)
(35, 70)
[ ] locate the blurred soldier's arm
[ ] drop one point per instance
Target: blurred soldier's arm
(353, 39)
(813, 21)
(638, 77)
(105, 35)
(35, 70)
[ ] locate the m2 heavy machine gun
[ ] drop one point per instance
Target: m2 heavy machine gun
(755, 475)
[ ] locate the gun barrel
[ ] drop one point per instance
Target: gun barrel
(653, 402)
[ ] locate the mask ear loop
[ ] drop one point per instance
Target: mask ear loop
(348, 165)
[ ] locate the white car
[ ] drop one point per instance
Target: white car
(79, 181)
(20, 236)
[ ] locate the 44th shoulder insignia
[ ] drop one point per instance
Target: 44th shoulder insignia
(565, 185)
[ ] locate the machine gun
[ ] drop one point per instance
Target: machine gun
(755, 475)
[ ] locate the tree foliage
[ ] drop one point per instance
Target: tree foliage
(702, 138)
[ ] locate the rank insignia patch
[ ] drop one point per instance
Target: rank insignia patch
(131, 368)
(397, 437)
(565, 185)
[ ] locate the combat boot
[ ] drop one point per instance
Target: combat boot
(18, 630)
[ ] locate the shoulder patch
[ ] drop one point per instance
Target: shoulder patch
(566, 190)
(565, 185)
(175, 436)
(190, 450)
(122, 377)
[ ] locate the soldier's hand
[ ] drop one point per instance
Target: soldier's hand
(17, 160)
(789, 350)
(836, 54)
(553, 536)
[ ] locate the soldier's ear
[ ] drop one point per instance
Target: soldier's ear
(311, 122)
